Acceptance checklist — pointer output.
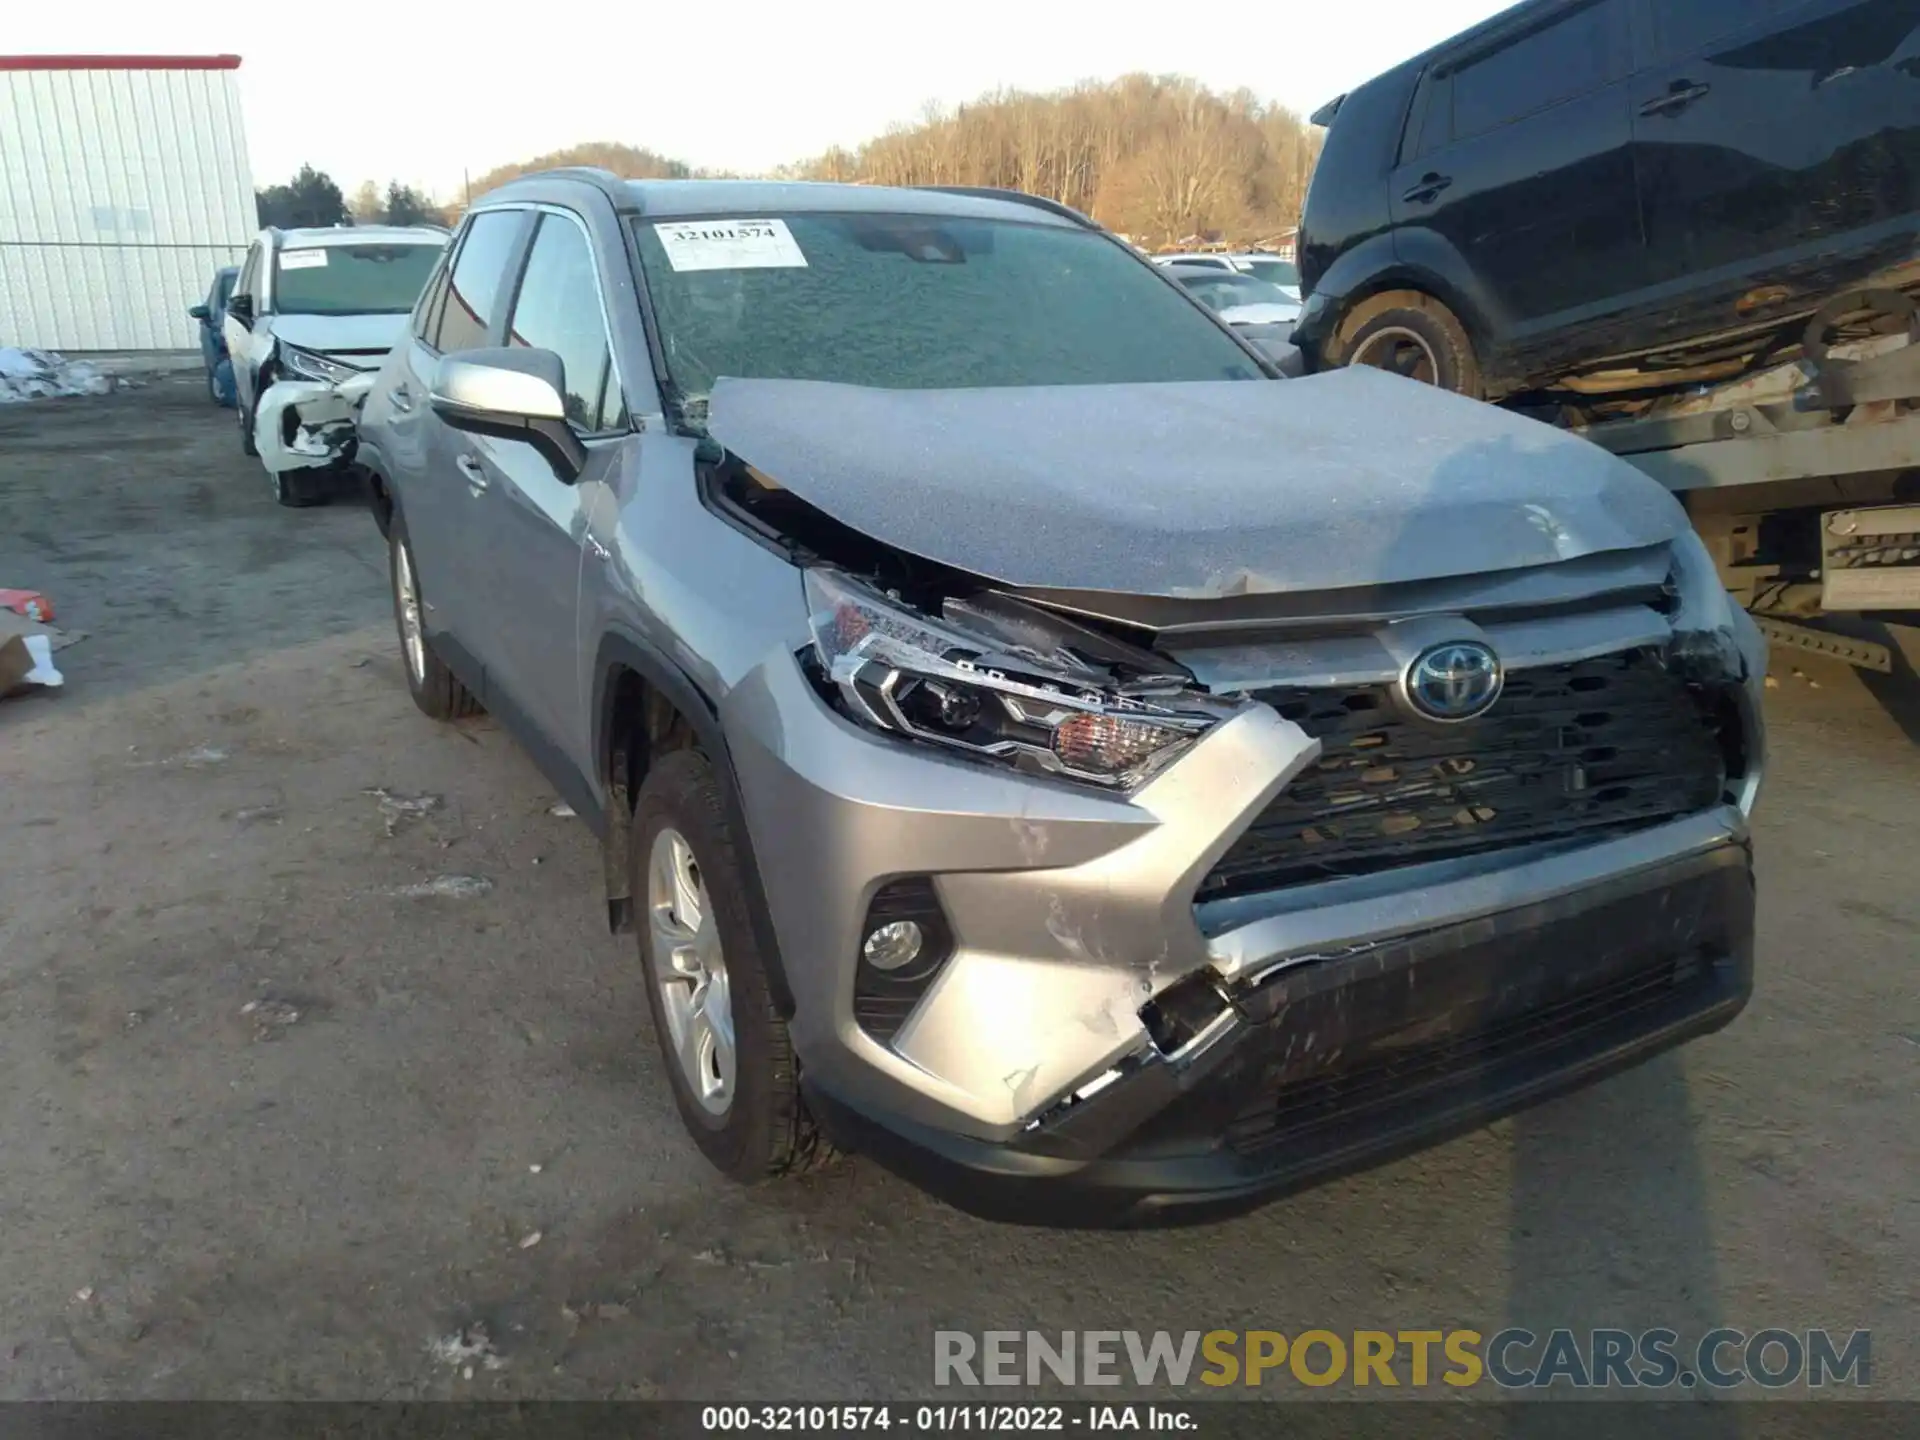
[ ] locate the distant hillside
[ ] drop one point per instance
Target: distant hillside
(1158, 158)
(629, 161)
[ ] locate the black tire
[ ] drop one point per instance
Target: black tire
(247, 447)
(765, 1131)
(435, 689)
(295, 490)
(1410, 334)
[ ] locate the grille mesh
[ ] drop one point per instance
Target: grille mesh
(1603, 745)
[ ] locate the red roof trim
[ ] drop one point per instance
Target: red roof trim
(119, 62)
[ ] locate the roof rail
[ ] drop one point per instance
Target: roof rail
(604, 180)
(1017, 197)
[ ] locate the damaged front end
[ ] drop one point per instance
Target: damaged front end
(1129, 904)
(303, 423)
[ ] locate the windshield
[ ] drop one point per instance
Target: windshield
(916, 302)
(1224, 291)
(371, 279)
(1279, 272)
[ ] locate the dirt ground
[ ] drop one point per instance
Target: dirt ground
(202, 1199)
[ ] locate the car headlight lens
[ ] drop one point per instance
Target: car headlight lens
(310, 366)
(910, 675)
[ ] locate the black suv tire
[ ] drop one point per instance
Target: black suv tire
(1411, 334)
(435, 689)
(765, 1131)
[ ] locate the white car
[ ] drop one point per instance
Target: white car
(1239, 299)
(311, 318)
(1275, 269)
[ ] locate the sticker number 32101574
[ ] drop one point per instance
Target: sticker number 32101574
(730, 245)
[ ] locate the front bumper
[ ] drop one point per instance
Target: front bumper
(308, 424)
(1336, 1063)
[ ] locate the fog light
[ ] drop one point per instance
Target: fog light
(893, 945)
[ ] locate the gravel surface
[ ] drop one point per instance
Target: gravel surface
(323, 1079)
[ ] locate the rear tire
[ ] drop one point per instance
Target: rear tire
(1410, 334)
(436, 690)
(759, 1128)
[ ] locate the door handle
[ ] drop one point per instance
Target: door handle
(1678, 97)
(402, 399)
(476, 476)
(1428, 190)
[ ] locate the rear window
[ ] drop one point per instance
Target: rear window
(370, 279)
(917, 302)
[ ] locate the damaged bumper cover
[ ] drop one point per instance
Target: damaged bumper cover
(301, 424)
(1341, 1060)
(1097, 1043)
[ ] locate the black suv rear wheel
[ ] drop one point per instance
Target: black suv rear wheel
(1410, 334)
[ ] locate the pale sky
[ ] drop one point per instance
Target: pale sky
(422, 93)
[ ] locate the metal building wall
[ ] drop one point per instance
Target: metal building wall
(123, 185)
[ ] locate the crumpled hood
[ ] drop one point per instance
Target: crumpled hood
(1195, 491)
(340, 332)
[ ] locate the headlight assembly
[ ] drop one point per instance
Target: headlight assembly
(310, 366)
(913, 676)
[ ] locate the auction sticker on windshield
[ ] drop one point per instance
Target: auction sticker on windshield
(302, 259)
(730, 245)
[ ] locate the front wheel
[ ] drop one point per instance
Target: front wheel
(246, 411)
(1410, 334)
(728, 1059)
(294, 490)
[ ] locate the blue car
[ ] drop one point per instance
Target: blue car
(213, 349)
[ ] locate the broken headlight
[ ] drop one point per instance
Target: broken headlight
(309, 365)
(908, 674)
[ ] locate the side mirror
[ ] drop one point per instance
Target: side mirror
(240, 307)
(198, 312)
(511, 393)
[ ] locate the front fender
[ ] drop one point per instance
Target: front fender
(621, 650)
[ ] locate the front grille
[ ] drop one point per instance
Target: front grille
(1597, 747)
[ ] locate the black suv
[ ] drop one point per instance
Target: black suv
(1612, 195)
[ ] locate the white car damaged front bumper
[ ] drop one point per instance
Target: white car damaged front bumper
(308, 423)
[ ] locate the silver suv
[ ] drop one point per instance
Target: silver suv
(1032, 743)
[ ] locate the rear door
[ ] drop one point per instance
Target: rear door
(535, 525)
(439, 495)
(1517, 168)
(1775, 136)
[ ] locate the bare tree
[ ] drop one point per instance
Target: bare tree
(1157, 157)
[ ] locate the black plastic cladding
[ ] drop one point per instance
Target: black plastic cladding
(882, 999)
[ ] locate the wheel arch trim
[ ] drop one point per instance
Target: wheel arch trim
(620, 651)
